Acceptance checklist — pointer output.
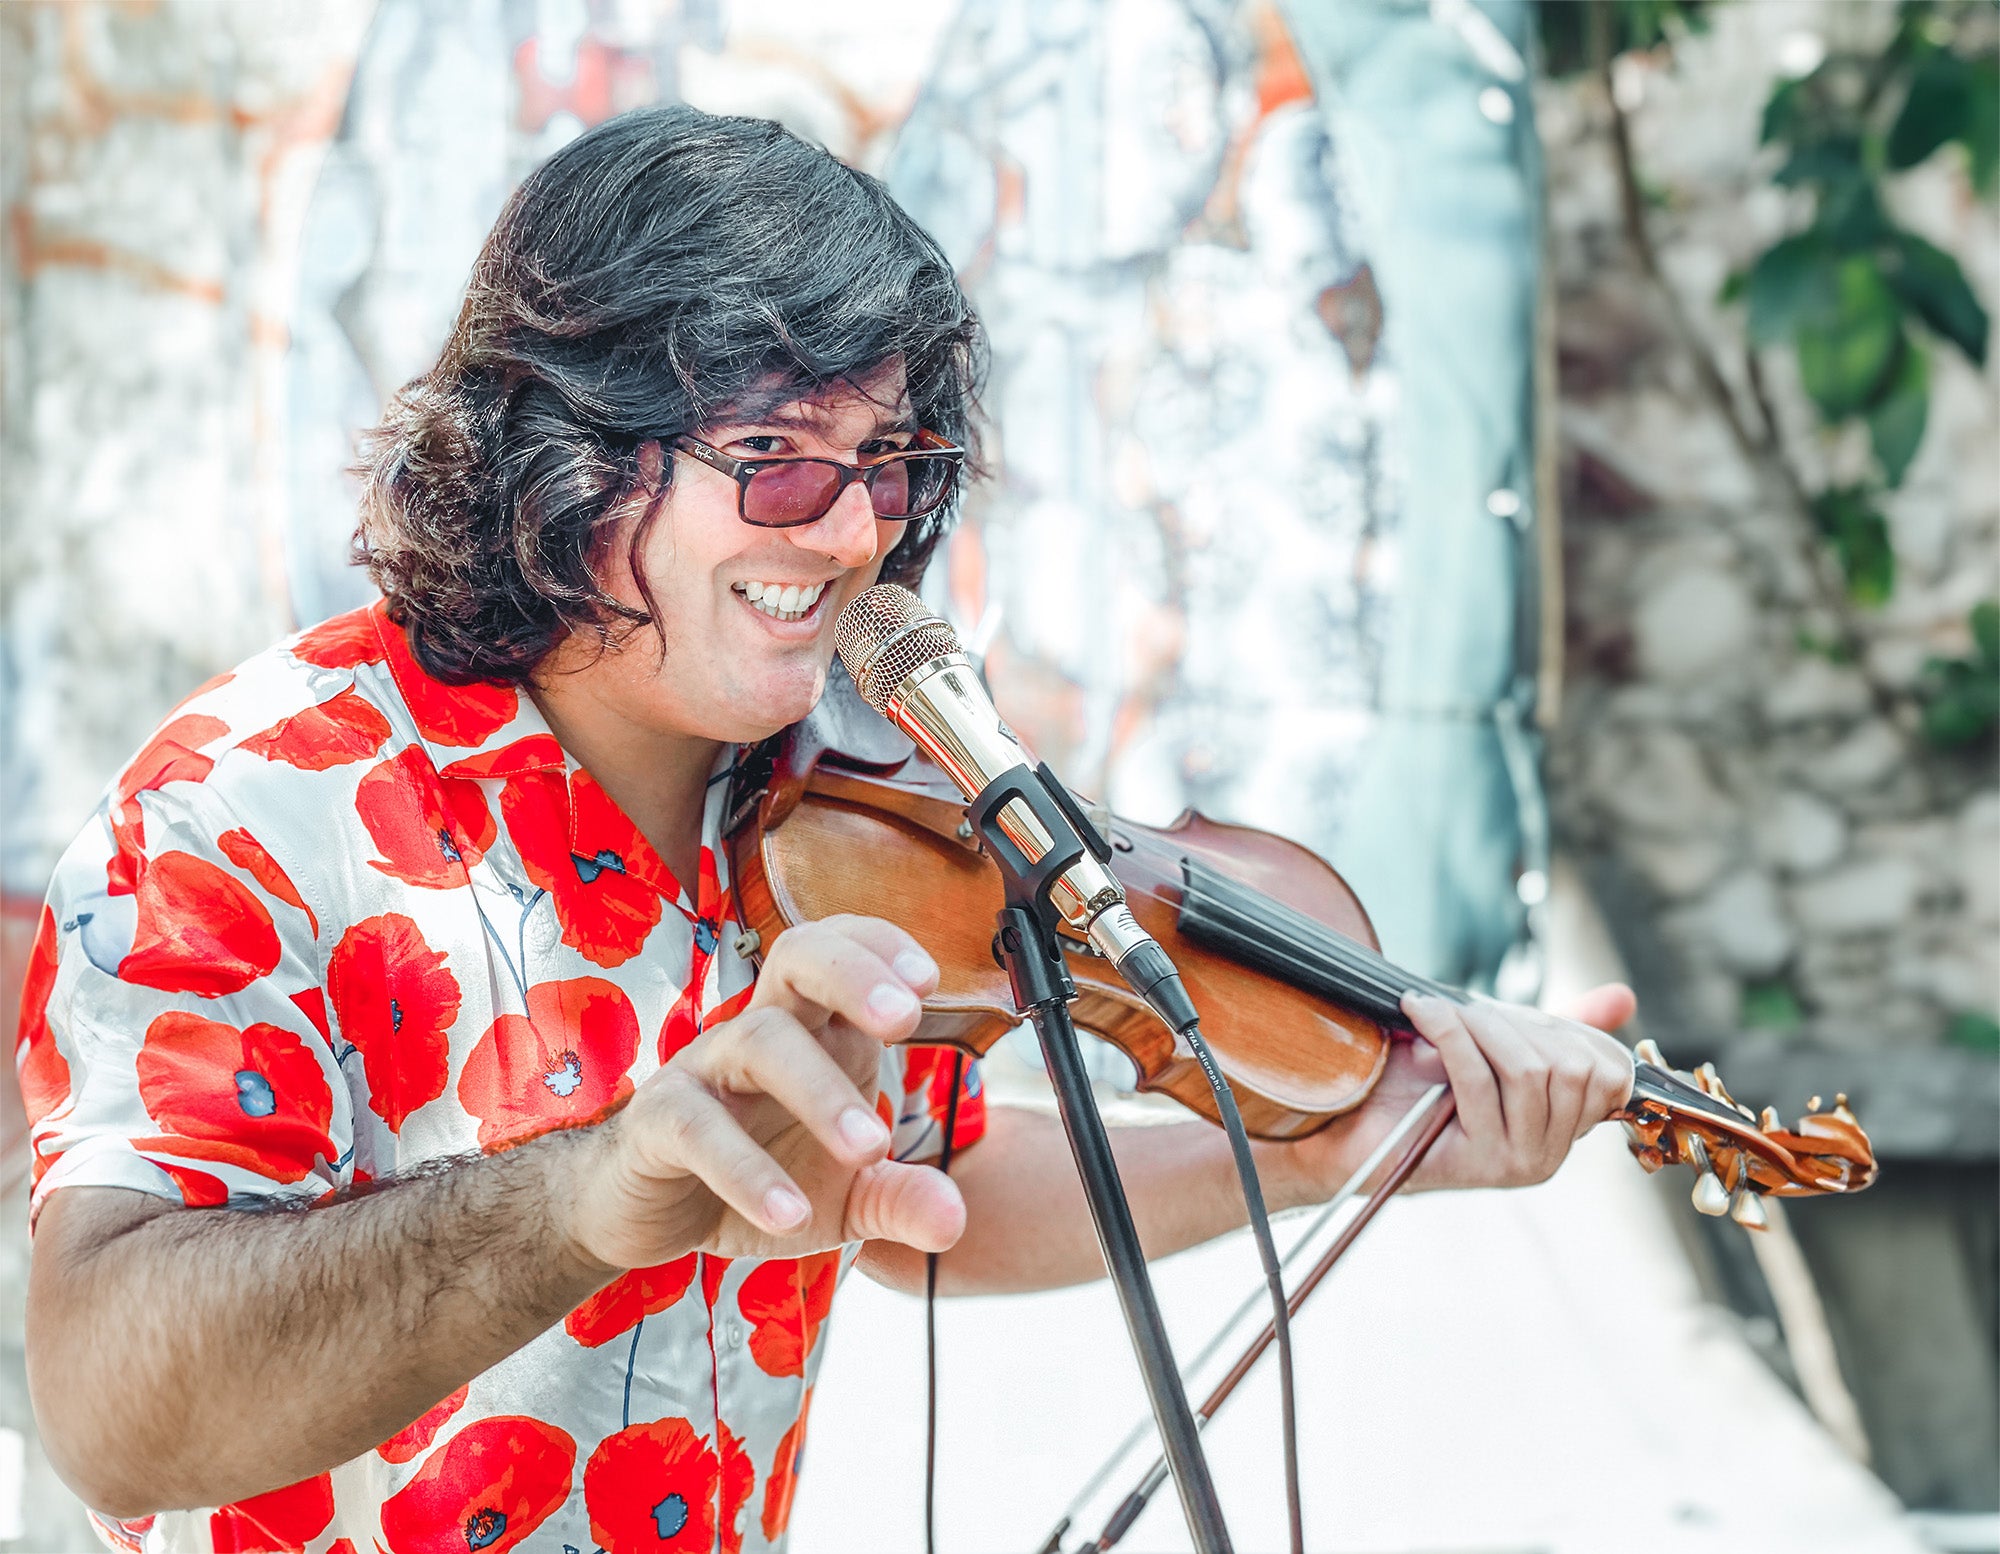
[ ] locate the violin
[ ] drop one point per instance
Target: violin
(842, 813)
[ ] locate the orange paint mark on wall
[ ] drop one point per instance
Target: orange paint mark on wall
(37, 249)
(1281, 75)
(1281, 81)
(97, 104)
(602, 81)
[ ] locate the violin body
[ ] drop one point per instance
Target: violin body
(851, 818)
(843, 814)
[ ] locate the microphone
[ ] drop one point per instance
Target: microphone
(908, 666)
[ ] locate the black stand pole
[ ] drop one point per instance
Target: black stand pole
(1030, 950)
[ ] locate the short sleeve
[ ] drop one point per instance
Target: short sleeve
(928, 1083)
(173, 1032)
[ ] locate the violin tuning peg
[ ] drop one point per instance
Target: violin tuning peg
(1708, 1080)
(1709, 1195)
(1747, 1209)
(1814, 1104)
(1648, 1051)
(1770, 1121)
(1842, 1110)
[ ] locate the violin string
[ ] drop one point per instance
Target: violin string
(1348, 968)
(1371, 970)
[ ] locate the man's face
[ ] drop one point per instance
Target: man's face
(730, 668)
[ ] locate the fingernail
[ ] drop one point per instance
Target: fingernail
(914, 966)
(862, 1130)
(784, 1208)
(890, 1002)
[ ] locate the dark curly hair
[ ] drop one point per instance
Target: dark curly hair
(660, 269)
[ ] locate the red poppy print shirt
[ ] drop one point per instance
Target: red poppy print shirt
(338, 918)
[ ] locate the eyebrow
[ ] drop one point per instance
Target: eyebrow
(904, 421)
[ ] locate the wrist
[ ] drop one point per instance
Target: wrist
(1279, 1171)
(572, 1171)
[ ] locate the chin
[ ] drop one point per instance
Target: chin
(778, 702)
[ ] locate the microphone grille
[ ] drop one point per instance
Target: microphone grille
(884, 634)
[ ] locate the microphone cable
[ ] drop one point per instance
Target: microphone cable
(1274, 1279)
(930, 1321)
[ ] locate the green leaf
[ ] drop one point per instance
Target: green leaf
(1850, 214)
(1930, 281)
(1782, 112)
(1985, 623)
(1979, 1032)
(1961, 701)
(1982, 126)
(1937, 109)
(1844, 361)
(1795, 282)
(1831, 159)
(1771, 1006)
(1850, 519)
(1896, 423)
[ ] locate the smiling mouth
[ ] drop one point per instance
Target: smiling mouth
(781, 601)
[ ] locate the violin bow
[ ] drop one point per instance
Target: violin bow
(1128, 1510)
(1670, 1118)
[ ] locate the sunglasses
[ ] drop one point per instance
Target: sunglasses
(787, 491)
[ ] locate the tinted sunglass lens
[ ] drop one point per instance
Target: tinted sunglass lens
(889, 491)
(794, 492)
(910, 488)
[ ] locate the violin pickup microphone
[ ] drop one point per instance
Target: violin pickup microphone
(909, 667)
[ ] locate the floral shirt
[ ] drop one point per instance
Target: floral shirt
(339, 918)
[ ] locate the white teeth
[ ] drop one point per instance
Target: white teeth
(783, 602)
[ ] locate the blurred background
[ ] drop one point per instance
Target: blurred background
(1542, 456)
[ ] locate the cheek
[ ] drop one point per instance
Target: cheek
(888, 535)
(670, 558)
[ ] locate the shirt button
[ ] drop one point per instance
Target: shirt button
(735, 1334)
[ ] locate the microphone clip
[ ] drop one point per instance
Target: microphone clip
(1028, 946)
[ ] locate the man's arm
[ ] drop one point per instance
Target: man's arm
(190, 1357)
(1528, 1084)
(1028, 1225)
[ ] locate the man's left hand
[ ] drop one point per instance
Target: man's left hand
(1529, 1083)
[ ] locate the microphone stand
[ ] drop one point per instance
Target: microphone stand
(1029, 949)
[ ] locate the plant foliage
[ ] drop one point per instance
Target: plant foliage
(1863, 304)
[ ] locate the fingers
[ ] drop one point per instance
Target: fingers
(913, 1204)
(768, 1052)
(1528, 1084)
(1474, 1085)
(862, 970)
(1606, 1008)
(687, 1131)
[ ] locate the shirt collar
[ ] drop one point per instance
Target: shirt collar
(486, 729)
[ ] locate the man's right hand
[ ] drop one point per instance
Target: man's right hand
(760, 1137)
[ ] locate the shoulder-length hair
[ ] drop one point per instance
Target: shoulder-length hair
(658, 270)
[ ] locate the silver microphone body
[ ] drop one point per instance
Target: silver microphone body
(908, 666)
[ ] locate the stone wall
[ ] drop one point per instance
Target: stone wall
(1766, 839)
(155, 161)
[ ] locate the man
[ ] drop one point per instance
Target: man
(418, 925)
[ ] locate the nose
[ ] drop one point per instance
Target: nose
(847, 532)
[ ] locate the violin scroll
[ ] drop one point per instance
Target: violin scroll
(1739, 1157)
